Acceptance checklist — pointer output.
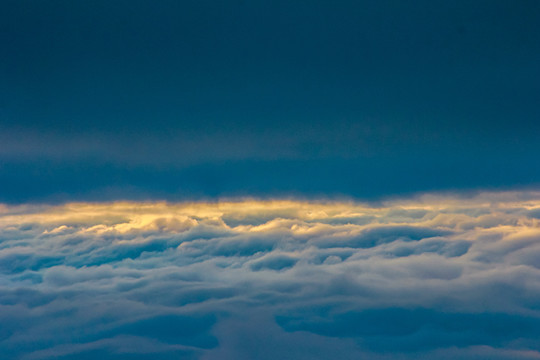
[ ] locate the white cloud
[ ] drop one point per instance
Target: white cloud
(409, 278)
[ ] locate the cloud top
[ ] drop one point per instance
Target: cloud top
(433, 276)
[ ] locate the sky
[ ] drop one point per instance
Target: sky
(189, 99)
(250, 179)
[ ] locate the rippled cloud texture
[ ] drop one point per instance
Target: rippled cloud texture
(432, 277)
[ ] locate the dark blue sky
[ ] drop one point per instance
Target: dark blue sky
(191, 99)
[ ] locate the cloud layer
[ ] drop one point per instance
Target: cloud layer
(430, 277)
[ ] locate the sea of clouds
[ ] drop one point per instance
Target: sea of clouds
(429, 277)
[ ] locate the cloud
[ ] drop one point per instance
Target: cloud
(431, 276)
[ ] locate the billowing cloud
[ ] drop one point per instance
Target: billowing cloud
(430, 277)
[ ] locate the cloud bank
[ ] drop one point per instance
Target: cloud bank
(431, 277)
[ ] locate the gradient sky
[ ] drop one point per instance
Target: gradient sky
(182, 100)
(240, 180)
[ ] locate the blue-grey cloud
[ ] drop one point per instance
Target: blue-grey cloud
(430, 277)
